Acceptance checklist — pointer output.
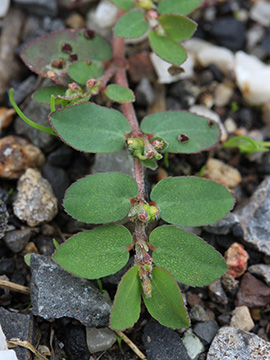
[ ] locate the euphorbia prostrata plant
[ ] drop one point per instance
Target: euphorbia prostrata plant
(82, 64)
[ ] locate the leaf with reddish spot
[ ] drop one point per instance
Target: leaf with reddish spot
(51, 55)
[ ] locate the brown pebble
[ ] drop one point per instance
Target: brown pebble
(75, 21)
(6, 117)
(16, 155)
(252, 292)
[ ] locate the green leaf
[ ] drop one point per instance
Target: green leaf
(27, 259)
(187, 257)
(125, 4)
(101, 198)
(150, 164)
(166, 304)
(91, 128)
(177, 27)
(182, 7)
(127, 302)
(51, 55)
(44, 95)
(82, 71)
(119, 93)
(191, 201)
(131, 25)
(167, 49)
(202, 134)
(95, 253)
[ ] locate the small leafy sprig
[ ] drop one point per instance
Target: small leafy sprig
(82, 64)
(247, 145)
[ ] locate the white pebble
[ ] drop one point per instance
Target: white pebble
(4, 6)
(252, 78)
(260, 12)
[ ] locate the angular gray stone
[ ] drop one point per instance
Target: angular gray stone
(162, 343)
(99, 339)
(231, 343)
(17, 239)
(224, 226)
(217, 293)
(206, 331)
(262, 271)
(55, 294)
(3, 218)
(18, 326)
(198, 314)
(193, 344)
(255, 219)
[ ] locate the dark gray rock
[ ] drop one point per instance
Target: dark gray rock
(59, 180)
(39, 7)
(206, 331)
(224, 226)
(255, 219)
(198, 314)
(230, 284)
(229, 32)
(3, 218)
(61, 157)
(6, 266)
(17, 239)
(266, 44)
(56, 294)
(231, 343)
(217, 293)
(38, 113)
(162, 343)
(74, 339)
(18, 326)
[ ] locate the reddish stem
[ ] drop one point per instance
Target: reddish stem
(106, 77)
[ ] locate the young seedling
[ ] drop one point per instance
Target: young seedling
(82, 64)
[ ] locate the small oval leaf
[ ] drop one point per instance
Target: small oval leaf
(125, 4)
(167, 49)
(119, 93)
(166, 304)
(51, 55)
(95, 253)
(182, 7)
(131, 25)
(91, 128)
(186, 256)
(170, 124)
(177, 27)
(44, 95)
(100, 198)
(191, 201)
(127, 302)
(82, 71)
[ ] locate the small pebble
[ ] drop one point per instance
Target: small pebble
(230, 284)
(260, 12)
(217, 292)
(198, 314)
(17, 154)
(206, 331)
(236, 259)
(17, 239)
(252, 292)
(4, 6)
(223, 94)
(241, 319)
(75, 21)
(220, 172)
(262, 271)
(193, 344)
(99, 339)
(35, 202)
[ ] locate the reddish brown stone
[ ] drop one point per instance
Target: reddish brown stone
(252, 292)
(140, 66)
(194, 299)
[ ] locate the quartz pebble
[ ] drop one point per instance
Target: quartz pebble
(260, 12)
(225, 174)
(262, 271)
(206, 54)
(17, 154)
(255, 89)
(231, 343)
(241, 319)
(35, 201)
(99, 339)
(102, 18)
(5, 354)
